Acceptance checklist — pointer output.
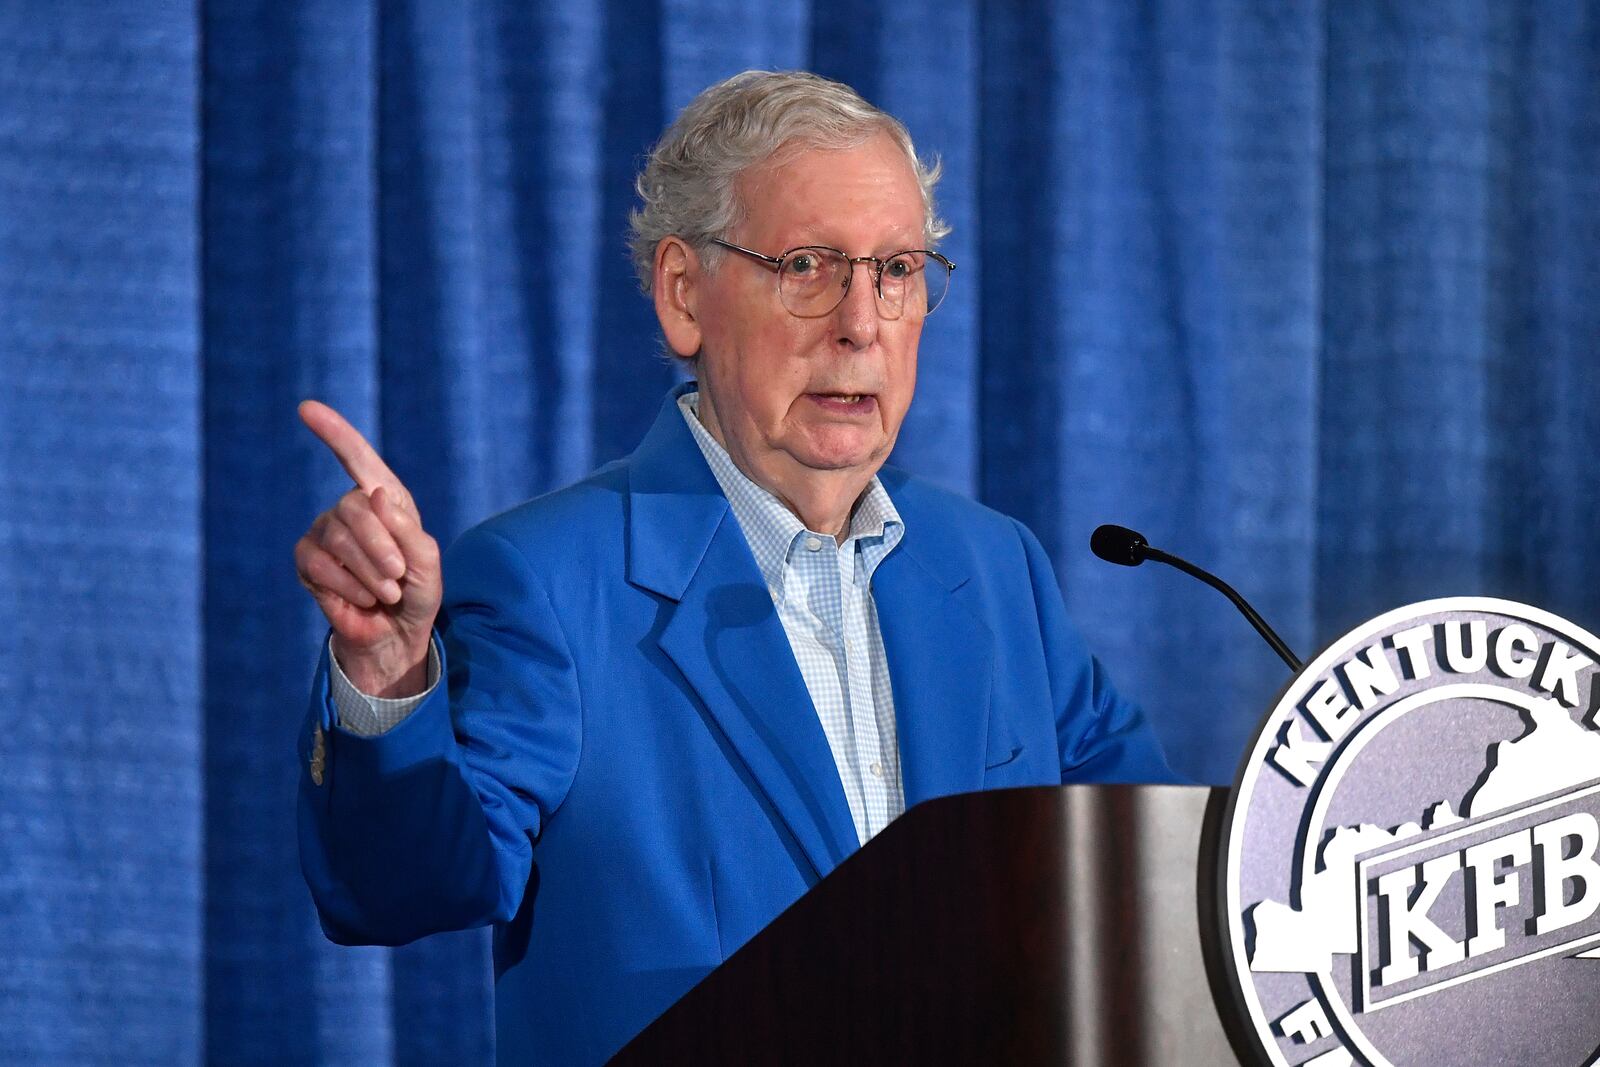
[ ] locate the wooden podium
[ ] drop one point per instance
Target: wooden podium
(1020, 926)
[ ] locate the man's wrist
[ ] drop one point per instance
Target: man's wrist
(385, 673)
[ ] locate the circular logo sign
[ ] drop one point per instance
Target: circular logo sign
(1411, 857)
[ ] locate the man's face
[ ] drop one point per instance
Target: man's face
(794, 397)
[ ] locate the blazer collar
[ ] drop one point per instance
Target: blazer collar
(940, 653)
(674, 504)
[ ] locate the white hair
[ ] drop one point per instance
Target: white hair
(688, 184)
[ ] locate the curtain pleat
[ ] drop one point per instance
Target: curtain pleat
(289, 284)
(101, 548)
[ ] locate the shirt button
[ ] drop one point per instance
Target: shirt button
(877, 770)
(813, 544)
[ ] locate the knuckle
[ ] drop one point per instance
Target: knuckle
(323, 570)
(308, 555)
(336, 537)
(352, 505)
(401, 509)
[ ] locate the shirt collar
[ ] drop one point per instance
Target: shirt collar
(772, 530)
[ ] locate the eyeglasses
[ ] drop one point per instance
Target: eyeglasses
(813, 279)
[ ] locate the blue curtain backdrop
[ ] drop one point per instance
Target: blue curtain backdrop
(1305, 291)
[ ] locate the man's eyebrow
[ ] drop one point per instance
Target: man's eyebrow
(811, 234)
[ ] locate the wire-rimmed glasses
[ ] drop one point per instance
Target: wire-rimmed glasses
(813, 279)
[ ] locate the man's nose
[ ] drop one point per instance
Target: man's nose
(857, 313)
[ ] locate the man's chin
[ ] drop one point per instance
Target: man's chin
(840, 456)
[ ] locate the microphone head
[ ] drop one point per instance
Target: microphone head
(1118, 544)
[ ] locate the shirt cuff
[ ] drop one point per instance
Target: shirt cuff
(369, 716)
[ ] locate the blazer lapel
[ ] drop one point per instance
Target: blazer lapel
(941, 659)
(725, 637)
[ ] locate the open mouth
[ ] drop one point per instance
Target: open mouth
(844, 403)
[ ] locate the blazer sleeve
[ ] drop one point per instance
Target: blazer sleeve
(1100, 735)
(431, 826)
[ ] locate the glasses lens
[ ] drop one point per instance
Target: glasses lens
(914, 283)
(812, 281)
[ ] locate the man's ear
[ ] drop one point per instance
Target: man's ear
(678, 275)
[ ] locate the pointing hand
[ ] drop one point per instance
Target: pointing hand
(371, 567)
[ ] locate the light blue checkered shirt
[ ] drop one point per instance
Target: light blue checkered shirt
(823, 594)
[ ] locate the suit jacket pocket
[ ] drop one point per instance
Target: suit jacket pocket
(1000, 756)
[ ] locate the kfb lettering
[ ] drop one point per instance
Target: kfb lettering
(1484, 896)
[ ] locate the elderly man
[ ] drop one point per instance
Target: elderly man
(680, 692)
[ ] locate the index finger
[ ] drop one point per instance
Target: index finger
(359, 459)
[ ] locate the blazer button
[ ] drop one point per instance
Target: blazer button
(319, 756)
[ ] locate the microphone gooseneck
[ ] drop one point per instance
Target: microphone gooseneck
(1127, 548)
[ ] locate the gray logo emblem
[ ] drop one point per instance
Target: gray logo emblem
(1411, 859)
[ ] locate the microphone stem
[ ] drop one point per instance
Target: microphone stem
(1238, 601)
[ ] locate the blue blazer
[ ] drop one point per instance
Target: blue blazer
(627, 777)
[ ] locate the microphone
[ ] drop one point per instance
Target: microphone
(1127, 548)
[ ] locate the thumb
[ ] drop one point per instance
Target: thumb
(421, 551)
